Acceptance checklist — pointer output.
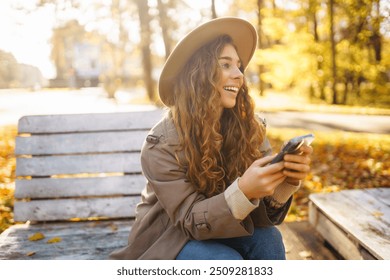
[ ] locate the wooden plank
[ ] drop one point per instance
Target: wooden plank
(75, 164)
(79, 240)
(71, 187)
(94, 142)
(381, 194)
(64, 209)
(371, 203)
(338, 238)
(366, 229)
(89, 122)
(303, 242)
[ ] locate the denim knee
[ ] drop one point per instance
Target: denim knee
(268, 244)
(207, 250)
(265, 243)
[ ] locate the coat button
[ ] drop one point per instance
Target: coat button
(203, 227)
(153, 139)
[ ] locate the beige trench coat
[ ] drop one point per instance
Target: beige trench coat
(171, 212)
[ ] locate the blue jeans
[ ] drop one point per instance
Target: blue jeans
(265, 244)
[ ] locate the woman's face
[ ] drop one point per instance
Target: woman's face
(231, 78)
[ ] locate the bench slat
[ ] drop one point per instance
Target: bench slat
(89, 122)
(347, 213)
(49, 210)
(98, 142)
(381, 194)
(75, 164)
(79, 240)
(371, 203)
(71, 187)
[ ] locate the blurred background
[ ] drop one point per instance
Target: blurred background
(321, 66)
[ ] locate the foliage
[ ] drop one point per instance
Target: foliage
(288, 64)
(7, 175)
(8, 69)
(296, 50)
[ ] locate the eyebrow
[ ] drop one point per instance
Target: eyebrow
(230, 59)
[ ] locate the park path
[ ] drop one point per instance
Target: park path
(329, 122)
(17, 103)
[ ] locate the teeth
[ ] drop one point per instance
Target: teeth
(234, 89)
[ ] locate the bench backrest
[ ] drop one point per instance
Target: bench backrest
(80, 166)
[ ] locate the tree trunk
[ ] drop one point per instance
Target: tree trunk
(260, 46)
(312, 18)
(144, 19)
(213, 11)
(333, 51)
(162, 12)
(376, 38)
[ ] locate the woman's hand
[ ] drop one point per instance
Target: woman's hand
(297, 166)
(261, 179)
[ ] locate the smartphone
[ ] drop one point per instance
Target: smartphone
(293, 145)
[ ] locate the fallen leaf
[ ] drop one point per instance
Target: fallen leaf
(305, 254)
(113, 227)
(54, 240)
(36, 236)
(29, 254)
(377, 214)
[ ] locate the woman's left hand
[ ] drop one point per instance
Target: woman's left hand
(297, 166)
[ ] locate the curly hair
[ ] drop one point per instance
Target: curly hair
(218, 144)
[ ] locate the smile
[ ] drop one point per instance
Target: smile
(232, 89)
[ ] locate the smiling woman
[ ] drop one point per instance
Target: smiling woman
(211, 192)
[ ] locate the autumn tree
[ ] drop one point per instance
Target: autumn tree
(9, 70)
(145, 43)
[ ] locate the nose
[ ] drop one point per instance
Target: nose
(236, 73)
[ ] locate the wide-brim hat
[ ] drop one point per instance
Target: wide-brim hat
(244, 38)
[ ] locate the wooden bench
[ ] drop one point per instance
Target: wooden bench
(355, 222)
(78, 181)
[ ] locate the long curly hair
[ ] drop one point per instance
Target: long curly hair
(218, 144)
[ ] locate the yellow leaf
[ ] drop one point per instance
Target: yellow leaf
(113, 227)
(36, 236)
(305, 254)
(54, 240)
(377, 214)
(29, 254)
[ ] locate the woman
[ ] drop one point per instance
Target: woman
(211, 192)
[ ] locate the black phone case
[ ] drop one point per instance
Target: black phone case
(291, 147)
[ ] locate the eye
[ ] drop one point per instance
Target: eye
(225, 65)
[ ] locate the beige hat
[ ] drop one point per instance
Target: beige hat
(242, 32)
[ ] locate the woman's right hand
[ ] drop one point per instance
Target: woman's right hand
(261, 179)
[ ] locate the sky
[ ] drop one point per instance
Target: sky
(27, 36)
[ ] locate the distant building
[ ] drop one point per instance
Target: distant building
(76, 55)
(84, 59)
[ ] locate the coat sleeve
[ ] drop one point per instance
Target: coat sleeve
(198, 217)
